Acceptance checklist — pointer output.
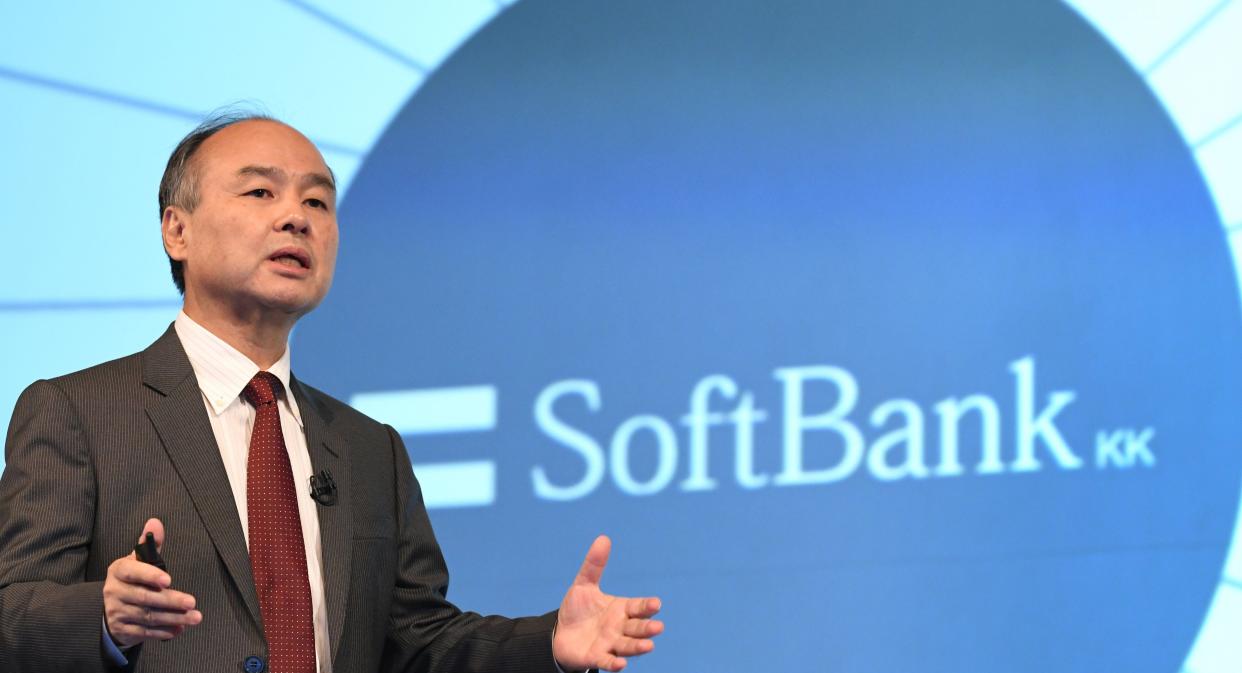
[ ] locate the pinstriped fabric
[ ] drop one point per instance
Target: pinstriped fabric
(86, 467)
(41, 556)
(93, 454)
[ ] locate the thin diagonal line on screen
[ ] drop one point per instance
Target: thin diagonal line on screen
(99, 94)
(360, 36)
(1218, 132)
(1185, 38)
(125, 100)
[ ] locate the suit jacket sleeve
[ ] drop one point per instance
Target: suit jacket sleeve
(427, 634)
(49, 615)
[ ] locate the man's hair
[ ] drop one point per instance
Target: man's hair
(179, 186)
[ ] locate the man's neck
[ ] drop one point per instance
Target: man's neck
(263, 341)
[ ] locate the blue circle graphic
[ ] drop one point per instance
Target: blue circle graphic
(946, 203)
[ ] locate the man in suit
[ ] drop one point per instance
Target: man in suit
(206, 441)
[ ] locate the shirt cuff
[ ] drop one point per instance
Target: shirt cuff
(112, 653)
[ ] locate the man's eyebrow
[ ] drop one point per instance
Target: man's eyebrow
(269, 172)
(278, 175)
(319, 180)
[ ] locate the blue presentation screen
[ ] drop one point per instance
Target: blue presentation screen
(879, 336)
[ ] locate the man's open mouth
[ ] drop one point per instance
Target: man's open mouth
(291, 258)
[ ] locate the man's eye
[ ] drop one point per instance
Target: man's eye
(316, 203)
(260, 192)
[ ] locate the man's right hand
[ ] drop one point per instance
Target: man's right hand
(138, 603)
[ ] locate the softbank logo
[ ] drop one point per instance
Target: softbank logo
(896, 440)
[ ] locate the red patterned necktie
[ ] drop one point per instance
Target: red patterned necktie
(277, 551)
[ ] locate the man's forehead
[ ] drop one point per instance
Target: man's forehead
(259, 142)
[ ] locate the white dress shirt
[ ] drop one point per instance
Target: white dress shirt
(223, 372)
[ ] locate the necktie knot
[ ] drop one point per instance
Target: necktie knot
(262, 389)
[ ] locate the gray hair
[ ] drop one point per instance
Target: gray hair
(179, 186)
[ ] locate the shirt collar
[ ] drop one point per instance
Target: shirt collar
(223, 371)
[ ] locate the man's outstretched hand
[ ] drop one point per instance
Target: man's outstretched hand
(138, 603)
(595, 630)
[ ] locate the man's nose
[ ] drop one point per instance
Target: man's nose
(295, 221)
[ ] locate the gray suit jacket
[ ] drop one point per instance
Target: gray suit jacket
(91, 455)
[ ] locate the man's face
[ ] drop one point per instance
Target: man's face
(262, 240)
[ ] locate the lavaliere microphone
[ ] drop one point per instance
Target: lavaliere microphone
(323, 489)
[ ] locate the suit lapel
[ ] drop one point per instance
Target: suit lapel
(181, 420)
(327, 452)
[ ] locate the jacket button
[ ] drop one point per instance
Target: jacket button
(254, 665)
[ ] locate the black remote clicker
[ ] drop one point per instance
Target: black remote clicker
(147, 552)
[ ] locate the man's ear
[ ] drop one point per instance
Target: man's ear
(175, 230)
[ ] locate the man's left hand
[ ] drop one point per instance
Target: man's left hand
(596, 630)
